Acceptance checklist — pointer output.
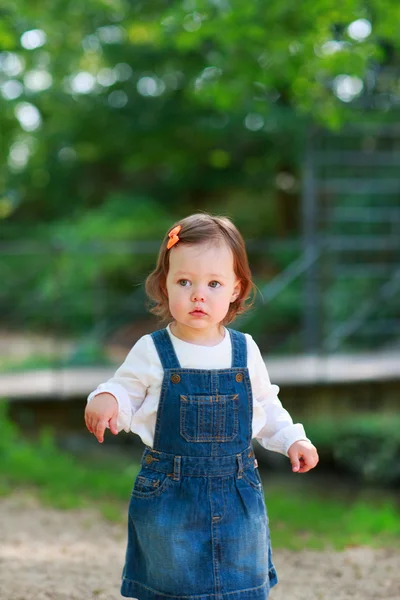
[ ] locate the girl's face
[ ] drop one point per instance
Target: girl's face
(201, 284)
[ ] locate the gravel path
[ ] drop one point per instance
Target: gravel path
(46, 554)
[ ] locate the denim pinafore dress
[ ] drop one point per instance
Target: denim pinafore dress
(198, 525)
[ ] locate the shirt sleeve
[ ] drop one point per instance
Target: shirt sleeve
(278, 432)
(129, 383)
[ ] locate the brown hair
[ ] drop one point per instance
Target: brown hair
(203, 228)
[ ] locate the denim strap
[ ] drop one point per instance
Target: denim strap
(239, 348)
(165, 349)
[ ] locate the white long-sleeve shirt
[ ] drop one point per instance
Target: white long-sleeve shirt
(137, 384)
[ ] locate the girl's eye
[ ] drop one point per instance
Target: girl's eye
(183, 282)
(214, 284)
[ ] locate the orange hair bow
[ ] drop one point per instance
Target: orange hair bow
(173, 236)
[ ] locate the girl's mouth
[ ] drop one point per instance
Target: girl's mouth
(198, 313)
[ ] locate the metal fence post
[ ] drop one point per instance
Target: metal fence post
(311, 291)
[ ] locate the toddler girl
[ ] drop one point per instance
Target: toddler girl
(197, 392)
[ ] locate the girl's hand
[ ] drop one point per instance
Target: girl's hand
(102, 412)
(303, 456)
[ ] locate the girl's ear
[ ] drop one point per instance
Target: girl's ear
(236, 291)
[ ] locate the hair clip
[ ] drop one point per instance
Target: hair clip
(173, 236)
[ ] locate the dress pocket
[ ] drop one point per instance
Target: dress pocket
(252, 477)
(209, 418)
(149, 483)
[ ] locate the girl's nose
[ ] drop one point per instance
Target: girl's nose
(198, 296)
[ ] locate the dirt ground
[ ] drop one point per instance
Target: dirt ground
(77, 555)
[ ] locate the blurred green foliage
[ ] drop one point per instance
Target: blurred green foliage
(366, 445)
(148, 111)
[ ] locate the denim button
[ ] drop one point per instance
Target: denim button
(148, 459)
(239, 377)
(175, 378)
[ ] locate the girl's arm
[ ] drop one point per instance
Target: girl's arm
(278, 431)
(128, 386)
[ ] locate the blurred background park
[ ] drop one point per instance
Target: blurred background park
(119, 118)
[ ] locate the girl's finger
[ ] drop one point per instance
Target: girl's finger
(308, 465)
(87, 423)
(99, 430)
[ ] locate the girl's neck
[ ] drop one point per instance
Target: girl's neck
(201, 338)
